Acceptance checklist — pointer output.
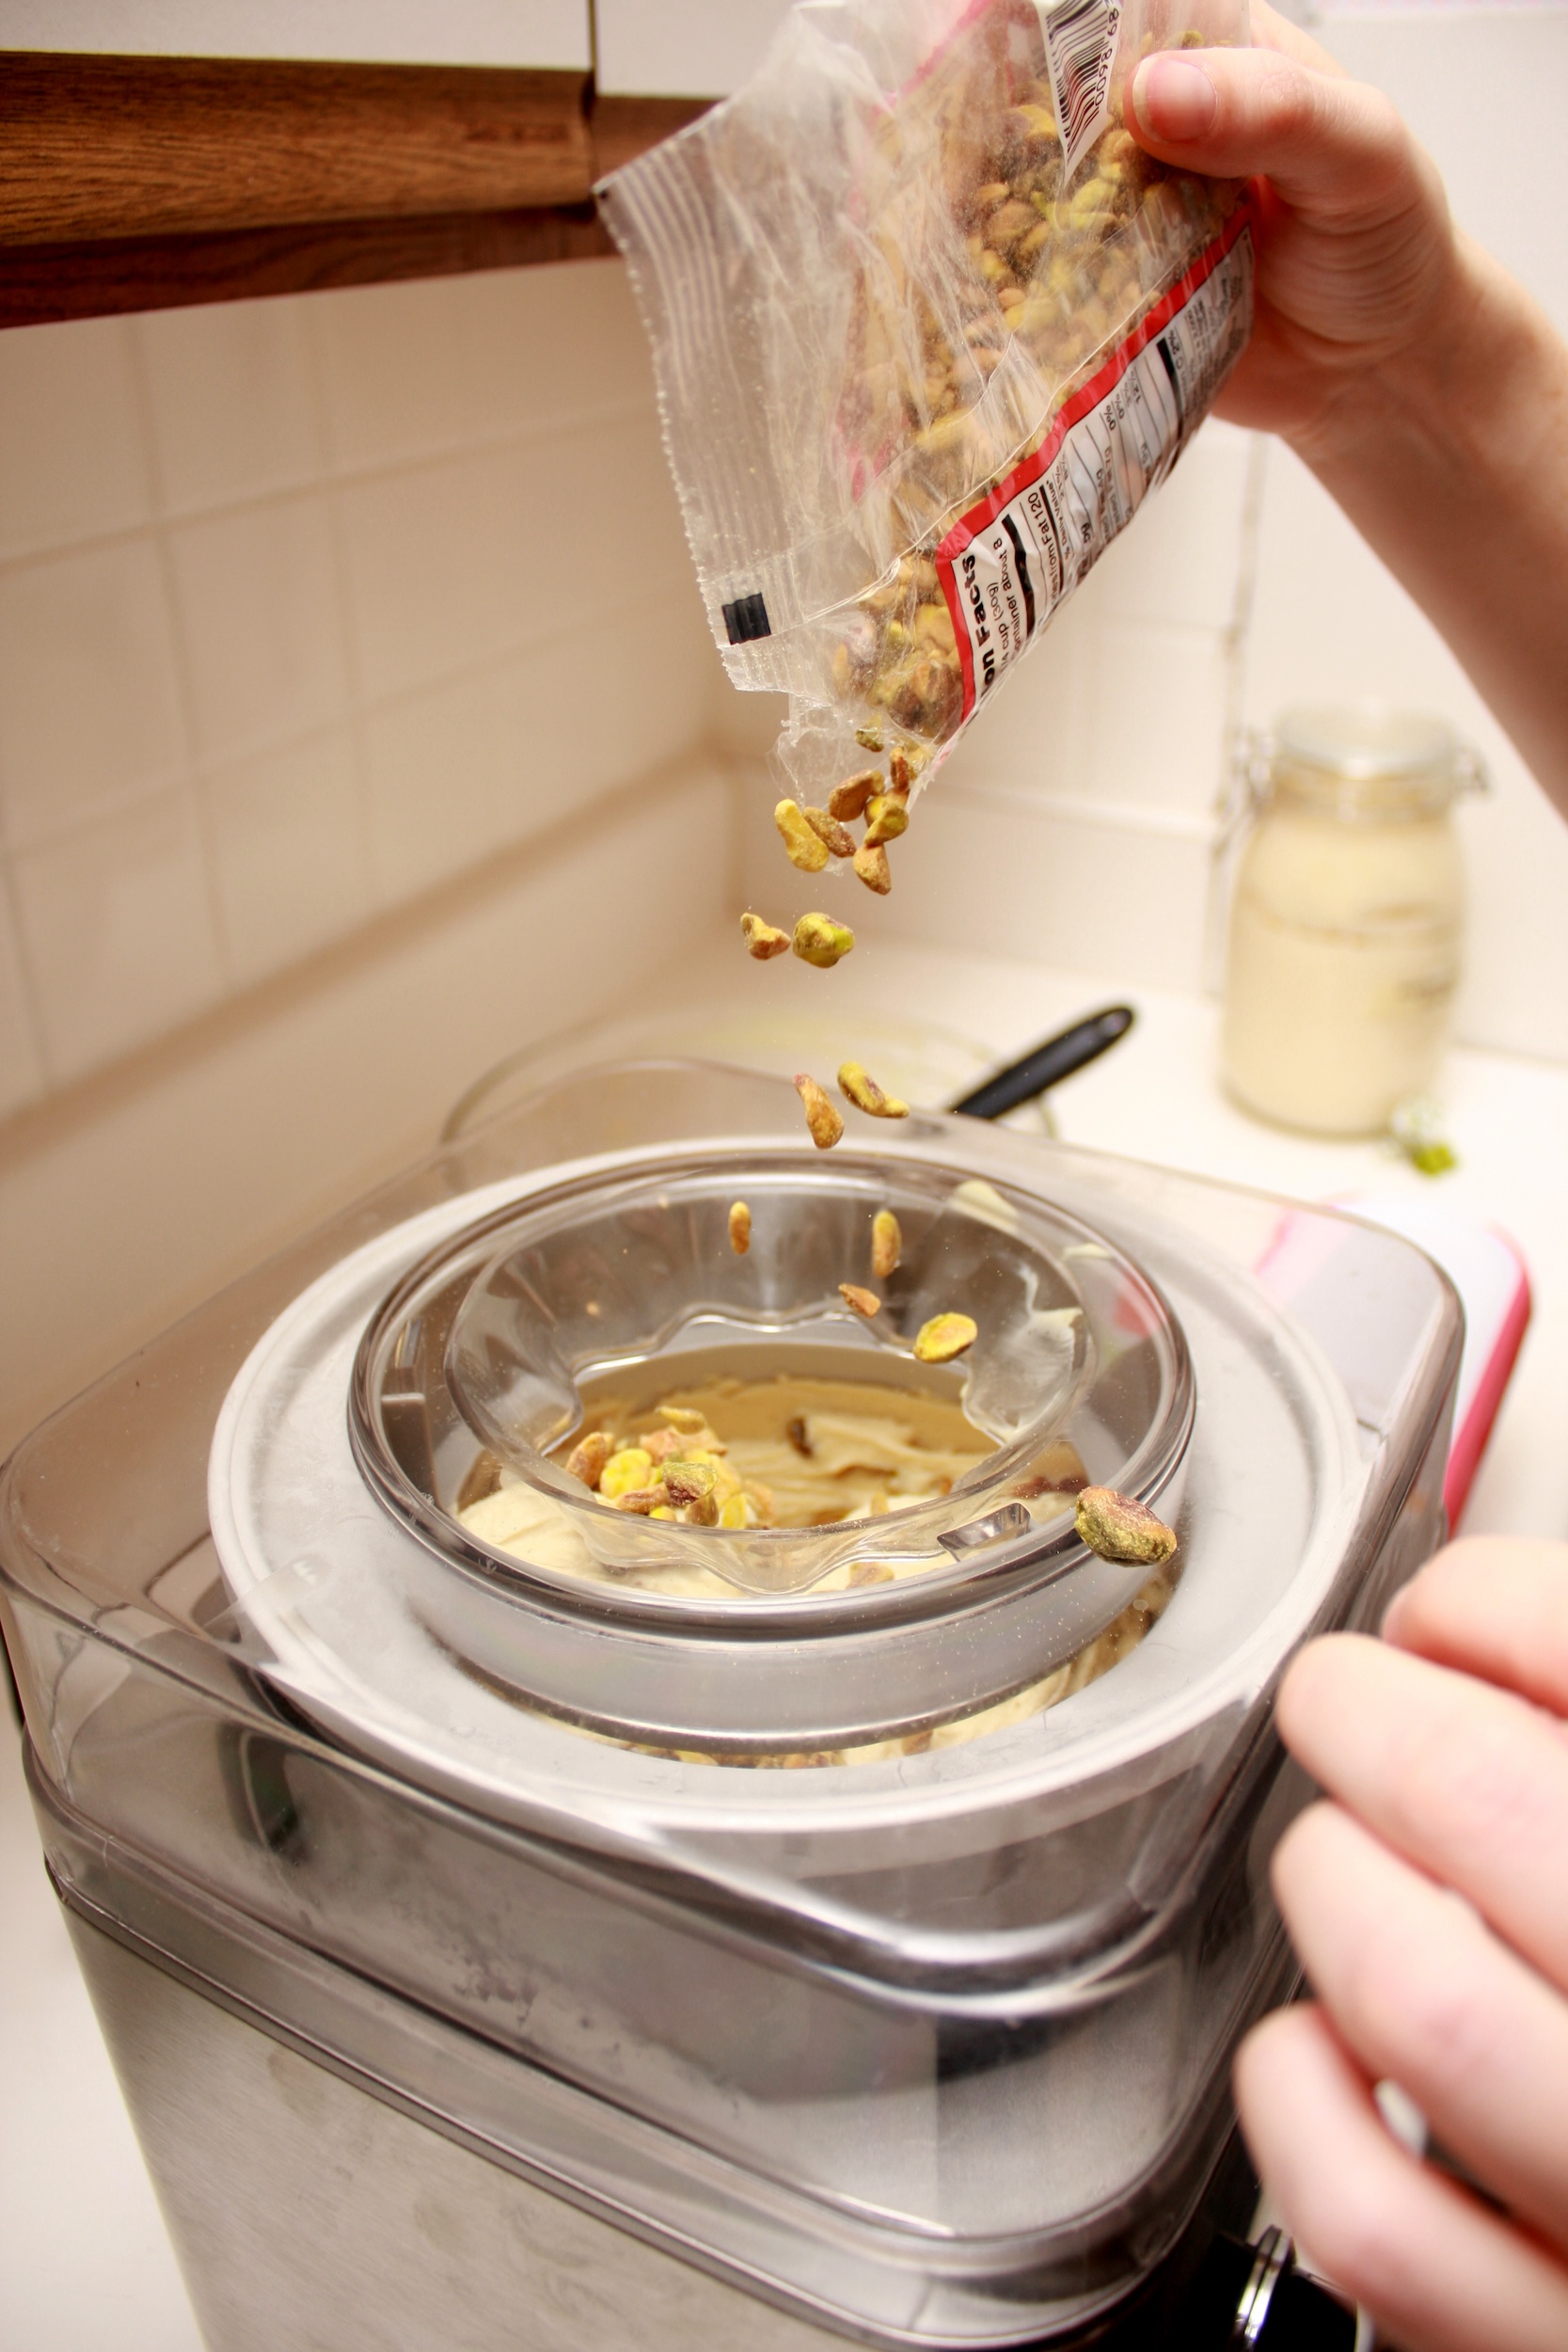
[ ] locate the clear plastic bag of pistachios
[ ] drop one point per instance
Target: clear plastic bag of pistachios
(927, 327)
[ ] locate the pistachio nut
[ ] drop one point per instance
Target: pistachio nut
(741, 1228)
(702, 1511)
(763, 939)
(857, 1086)
(865, 1302)
(874, 870)
(886, 818)
(684, 1418)
(684, 1482)
(640, 1501)
(625, 1471)
(823, 1120)
(836, 838)
(820, 941)
(944, 1337)
(847, 800)
(887, 1244)
(588, 1458)
(802, 846)
(869, 738)
(1119, 1527)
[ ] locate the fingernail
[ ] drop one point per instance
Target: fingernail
(1175, 99)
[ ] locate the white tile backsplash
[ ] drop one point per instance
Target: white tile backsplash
(564, 708)
(444, 566)
(90, 705)
(1181, 563)
(397, 370)
(231, 399)
(289, 851)
(305, 607)
(553, 344)
(262, 624)
(72, 460)
(117, 926)
(1159, 706)
(435, 763)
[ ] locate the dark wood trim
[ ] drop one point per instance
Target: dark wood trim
(141, 184)
(99, 146)
(621, 128)
(41, 283)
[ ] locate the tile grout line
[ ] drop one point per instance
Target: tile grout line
(339, 474)
(356, 715)
(184, 684)
(209, 766)
(1238, 640)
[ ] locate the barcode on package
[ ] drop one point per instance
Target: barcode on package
(1008, 565)
(1080, 49)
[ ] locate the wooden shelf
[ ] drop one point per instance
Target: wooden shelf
(140, 183)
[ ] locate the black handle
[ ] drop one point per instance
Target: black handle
(1047, 1065)
(1255, 2296)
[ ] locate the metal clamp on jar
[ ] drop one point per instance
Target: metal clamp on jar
(1346, 917)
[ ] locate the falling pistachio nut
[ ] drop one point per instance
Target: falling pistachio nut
(837, 839)
(874, 870)
(847, 800)
(944, 1337)
(802, 846)
(823, 1120)
(865, 1302)
(886, 818)
(820, 941)
(857, 1086)
(741, 1228)
(588, 1458)
(887, 1244)
(763, 940)
(1119, 1527)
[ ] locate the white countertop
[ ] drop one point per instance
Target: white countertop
(85, 2265)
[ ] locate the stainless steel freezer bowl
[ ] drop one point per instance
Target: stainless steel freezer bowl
(934, 2052)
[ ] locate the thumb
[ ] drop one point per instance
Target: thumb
(1330, 147)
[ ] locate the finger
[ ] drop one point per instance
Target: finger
(1422, 1993)
(1438, 2271)
(1495, 1606)
(1331, 146)
(1466, 1781)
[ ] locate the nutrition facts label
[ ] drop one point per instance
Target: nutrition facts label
(1008, 565)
